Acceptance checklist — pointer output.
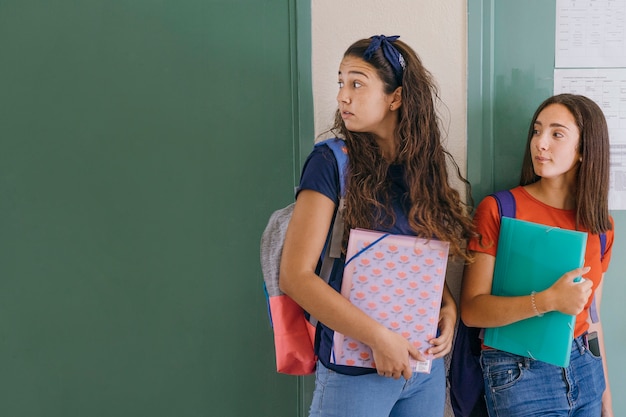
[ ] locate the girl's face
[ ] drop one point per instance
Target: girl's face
(363, 103)
(555, 144)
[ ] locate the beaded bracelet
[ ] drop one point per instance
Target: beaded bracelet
(532, 301)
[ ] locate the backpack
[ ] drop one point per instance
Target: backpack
(467, 388)
(294, 329)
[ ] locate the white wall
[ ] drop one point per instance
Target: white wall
(437, 31)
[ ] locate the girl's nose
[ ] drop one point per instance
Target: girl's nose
(541, 143)
(342, 96)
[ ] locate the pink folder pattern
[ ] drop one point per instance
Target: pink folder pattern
(397, 280)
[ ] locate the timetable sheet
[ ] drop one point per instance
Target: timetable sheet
(590, 33)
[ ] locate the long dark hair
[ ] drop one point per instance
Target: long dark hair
(592, 181)
(437, 210)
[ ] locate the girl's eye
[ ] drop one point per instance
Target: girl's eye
(357, 84)
(558, 135)
(340, 84)
(535, 132)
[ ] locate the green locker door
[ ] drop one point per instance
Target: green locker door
(143, 145)
(510, 69)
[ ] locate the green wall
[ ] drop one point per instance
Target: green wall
(511, 63)
(143, 145)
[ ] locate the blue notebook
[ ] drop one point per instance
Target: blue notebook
(532, 257)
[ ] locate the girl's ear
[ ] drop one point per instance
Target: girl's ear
(396, 99)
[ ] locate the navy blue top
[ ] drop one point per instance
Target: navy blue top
(320, 174)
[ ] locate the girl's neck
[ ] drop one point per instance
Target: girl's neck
(385, 136)
(388, 147)
(557, 195)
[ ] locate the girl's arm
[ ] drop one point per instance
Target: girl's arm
(304, 241)
(447, 320)
(607, 401)
(481, 309)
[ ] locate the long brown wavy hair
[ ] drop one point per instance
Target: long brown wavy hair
(592, 181)
(437, 210)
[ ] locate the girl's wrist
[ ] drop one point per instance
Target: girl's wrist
(448, 311)
(541, 302)
(533, 303)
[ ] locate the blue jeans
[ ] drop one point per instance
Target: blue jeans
(372, 395)
(516, 386)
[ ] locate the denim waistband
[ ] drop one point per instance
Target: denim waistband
(581, 343)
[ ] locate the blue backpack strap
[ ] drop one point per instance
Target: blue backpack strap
(593, 309)
(602, 245)
(338, 146)
(506, 203)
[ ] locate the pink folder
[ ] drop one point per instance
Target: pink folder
(397, 280)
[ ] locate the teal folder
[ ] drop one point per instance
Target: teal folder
(532, 257)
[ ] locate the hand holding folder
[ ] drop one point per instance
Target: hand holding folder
(532, 257)
(397, 280)
(571, 292)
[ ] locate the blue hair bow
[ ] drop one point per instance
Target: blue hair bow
(393, 56)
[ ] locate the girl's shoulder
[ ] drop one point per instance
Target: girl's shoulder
(320, 173)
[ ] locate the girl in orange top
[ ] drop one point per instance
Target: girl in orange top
(564, 183)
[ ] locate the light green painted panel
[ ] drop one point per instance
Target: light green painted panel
(511, 63)
(143, 145)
